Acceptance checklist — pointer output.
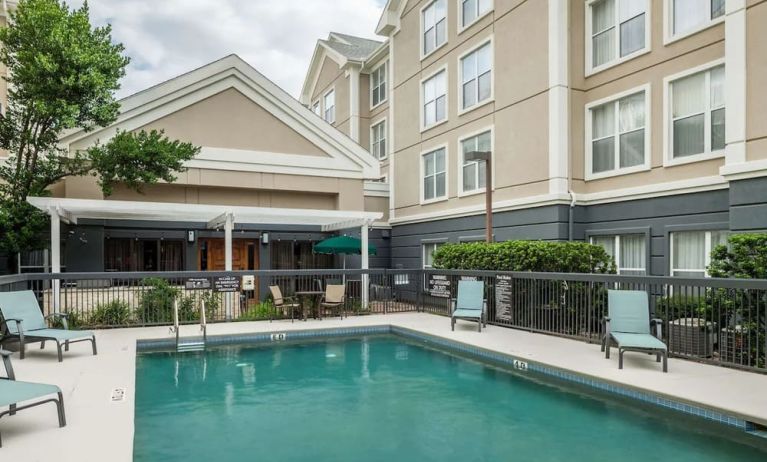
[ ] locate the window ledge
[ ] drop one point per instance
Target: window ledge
(617, 172)
(462, 29)
(462, 112)
(434, 125)
(434, 201)
(380, 103)
(591, 71)
(669, 38)
(667, 162)
(473, 192)
(424, 56)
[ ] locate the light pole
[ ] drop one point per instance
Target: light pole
(485, 156)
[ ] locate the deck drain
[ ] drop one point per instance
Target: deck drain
(118, 395)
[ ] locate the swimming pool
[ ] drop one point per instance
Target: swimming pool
(383, 397)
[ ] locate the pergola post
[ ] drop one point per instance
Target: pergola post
(365, 264)
(56, 257)
(228, 226)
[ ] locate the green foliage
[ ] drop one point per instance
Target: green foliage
(114, 313)
(539, 256)
(260, 312)
(62, 74)
(156, 305)
(157, 156)
(744, 258)
(189, 306)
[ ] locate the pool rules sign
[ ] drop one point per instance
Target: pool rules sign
(503, 297)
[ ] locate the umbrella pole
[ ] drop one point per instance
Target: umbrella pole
(344, 276)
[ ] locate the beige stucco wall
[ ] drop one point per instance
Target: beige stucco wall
(756, 77)
(333, 77)
(518, 115)
(378, 204)
(651, 68)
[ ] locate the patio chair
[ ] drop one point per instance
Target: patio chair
(24, 321)
(13, 392)
(282, 303)
(470, 305)
(628, 326)
(333, 299)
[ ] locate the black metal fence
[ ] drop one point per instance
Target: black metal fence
(720, 321)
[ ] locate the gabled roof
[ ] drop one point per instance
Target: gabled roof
(345, 50)
(347, 158)
(390, 17)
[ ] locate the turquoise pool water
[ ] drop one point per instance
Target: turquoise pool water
(383, 398)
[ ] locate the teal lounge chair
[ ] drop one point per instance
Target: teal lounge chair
(24, 321)
(628, 326)
(13, 392)
(470, 304)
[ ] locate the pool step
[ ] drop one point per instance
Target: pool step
(190, 346)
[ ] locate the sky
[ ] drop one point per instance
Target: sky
(165, 38)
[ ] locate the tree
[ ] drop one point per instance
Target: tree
(62, 74)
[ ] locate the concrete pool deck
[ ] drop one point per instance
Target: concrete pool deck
(101, 430)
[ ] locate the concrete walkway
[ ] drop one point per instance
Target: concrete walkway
(100, 430)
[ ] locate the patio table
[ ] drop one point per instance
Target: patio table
(314, 296)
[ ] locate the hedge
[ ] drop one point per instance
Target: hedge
(538, 256)
(744, 258)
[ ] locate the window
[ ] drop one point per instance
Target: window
(698, 115)
(434, 19)
(618, 138)
(378, 140)
(628, 251)
(434, 91)
(330, 106)
(378, 85)
(471, 10)
(316, 108)
(691, 251)
(434, 175)
(618, 29)
(428, 253)
(476, 76)
(473, 172)
(123, 254)
(688, 16)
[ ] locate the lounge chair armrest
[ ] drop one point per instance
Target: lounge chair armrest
(64, 317)
(657, 323)
(6, 358)
(453, 302)
(7, 321)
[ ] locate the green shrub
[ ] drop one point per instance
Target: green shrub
(156, 305)
(261, 311)
(745, 257)
(539, 256)
(114, 313)
(189, 306)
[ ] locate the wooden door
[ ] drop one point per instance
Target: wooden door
(244, 254)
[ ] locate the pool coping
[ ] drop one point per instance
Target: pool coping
(745, 423)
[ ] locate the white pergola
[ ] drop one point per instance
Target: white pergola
(213, 216)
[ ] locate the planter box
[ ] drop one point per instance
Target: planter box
(691, 337)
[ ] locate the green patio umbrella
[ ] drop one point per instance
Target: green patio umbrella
(342, 245)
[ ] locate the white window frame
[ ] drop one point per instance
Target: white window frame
(461, 26)
(668, 28)
(421, 40)
(588, 52)
(317, 108)
(461, 192)
(434, 245)
(707, 249)
(447, 174)
(461, 110)
(423, 126)
(373, 125)
(385, 81)
(589, 145)
(324, 106)
(668, 119)
(617, 246)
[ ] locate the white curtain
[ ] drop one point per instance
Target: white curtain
(689, 105)
(689, 14)
(689, 253)
(631, 119)
(607, 242)
(633, 254)
(603, 143)
(603, 32)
